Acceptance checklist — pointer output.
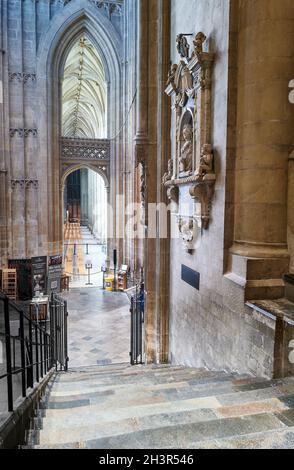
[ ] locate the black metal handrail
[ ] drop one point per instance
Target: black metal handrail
(31, 351)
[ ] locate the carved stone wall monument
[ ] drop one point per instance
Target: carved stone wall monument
(189, 87)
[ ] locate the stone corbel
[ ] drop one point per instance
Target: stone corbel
(203, 192)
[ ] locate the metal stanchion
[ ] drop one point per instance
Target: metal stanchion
(115, 268)
(89, 267)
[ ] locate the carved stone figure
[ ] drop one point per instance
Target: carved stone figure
(173, 193)
(186, 228)
(206, 162)
(172, 75)
(186, 86)
(200, 38)
(169, 174)
(186, 156)
(183, 46)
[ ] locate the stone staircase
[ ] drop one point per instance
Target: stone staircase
(152, 407)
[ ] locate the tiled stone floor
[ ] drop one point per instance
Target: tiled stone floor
(98, 327)
(87, 249)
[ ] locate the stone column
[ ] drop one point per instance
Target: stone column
(3, 169)
(84, 194)
(17, 128)
(142, 79)
(32, 187)
(31, 150)
(264, 140)
(109, 230)
(291, 211)
(154, 152)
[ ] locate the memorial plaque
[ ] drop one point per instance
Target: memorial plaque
(191, 277)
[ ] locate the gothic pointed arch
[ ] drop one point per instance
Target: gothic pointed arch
(64, 32)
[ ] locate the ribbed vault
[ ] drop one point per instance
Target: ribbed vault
(84, 93)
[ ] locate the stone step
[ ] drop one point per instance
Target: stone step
(93, 413)
(80, 431)
(140, 380)
(159, 407)
(183, 435)
(99, 426)
(129, 395)
(281, 439)
(143, 371)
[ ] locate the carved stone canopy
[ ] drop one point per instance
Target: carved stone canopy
(189, 87)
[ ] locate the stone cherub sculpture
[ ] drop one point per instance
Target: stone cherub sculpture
(186, 228)
(206, 162)
(186, 155)
(200, 38)
(172, 75)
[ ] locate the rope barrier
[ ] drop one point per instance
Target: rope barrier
(83, 275)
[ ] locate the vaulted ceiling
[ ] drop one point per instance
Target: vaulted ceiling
(84, 93)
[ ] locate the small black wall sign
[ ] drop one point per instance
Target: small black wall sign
(191, 277)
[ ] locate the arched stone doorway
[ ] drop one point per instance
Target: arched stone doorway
(63, 153)
(85, 206)
(94, 318)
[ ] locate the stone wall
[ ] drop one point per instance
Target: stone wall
(212, 327)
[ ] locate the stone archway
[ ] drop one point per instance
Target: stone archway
(64, 31)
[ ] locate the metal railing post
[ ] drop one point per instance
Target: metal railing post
(65, 335)
(22, 355)
(131, 332)
(41, 353)
(31, 355)
(37, 354)
(8, 355)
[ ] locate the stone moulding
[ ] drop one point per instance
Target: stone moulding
(85, 149)
(110, 6)
(19, 132)
(189, 86)
(24, 183)
(22, 77)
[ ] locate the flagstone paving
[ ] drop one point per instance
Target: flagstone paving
(157, 407)
(98, 327)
